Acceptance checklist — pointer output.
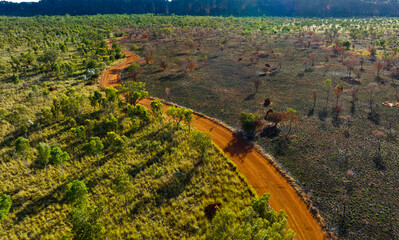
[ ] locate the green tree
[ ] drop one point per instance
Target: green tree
(139, 112)
(15, 78)
(134, 69)
(201, 141)
(5, 206)
(134, 92)
(112, 123)
(59, 157)
(111, 94)
(23, 149)
(95, 99)
(85, 222)
(258, 221)
(188, 118)
(77, 193)
(156, 108)
(177, 113)
(249, 123)
(43, 154)
(94, 147)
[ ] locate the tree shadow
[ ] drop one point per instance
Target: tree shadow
(311, 112)
(38, 205)
(238, 147)
(171, 77)
(270, 132)
(323, 115)
(250, 97)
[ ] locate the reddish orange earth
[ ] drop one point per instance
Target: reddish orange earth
(260, 174)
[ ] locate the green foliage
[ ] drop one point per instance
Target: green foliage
(77, 193)
(43, 153)
(156, 108)
(248, 122)
(255, 222)
(15, 79)
(134, 92)
(112, 123)
(179, 114)
(22, 147)
(94, 147)
(111, 94)
(5, 206)
(134, 67)
(85, 222)
(139, 112)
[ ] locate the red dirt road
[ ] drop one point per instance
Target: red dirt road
(261, 174)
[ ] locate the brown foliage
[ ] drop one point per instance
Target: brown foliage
(276, 117)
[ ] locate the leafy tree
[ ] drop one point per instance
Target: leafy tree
(77, 193)
(201, 141)
(5, 206)
(43, 154)
(258, 221)
(79, 132)
(139, 112)
(249, 123)
(94, 147)
(134, 92)
(156, 108)
(112, 123)
(50, 56)
(23, 149)
(95, 99)
(85, 222)
(15, 78)
(178, 114)
(134, 69)
(111, 94)
(59, 157)
(188, 118)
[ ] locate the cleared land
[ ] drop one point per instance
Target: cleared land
(261, 175)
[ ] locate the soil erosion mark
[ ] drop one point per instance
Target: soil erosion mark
(258, 171)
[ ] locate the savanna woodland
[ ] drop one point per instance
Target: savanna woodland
(84, 159)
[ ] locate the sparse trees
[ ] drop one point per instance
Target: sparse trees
(23, 149)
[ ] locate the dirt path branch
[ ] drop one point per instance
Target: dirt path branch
(260, 173)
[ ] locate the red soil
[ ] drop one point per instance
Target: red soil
(259, 172)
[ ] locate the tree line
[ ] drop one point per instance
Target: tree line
(303, 8)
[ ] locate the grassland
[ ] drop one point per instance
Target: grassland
(355, 192)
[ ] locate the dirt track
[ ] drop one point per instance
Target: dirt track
(261, 175)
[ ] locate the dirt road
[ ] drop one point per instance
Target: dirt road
(261, 174)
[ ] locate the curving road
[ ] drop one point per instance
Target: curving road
(259, 172)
